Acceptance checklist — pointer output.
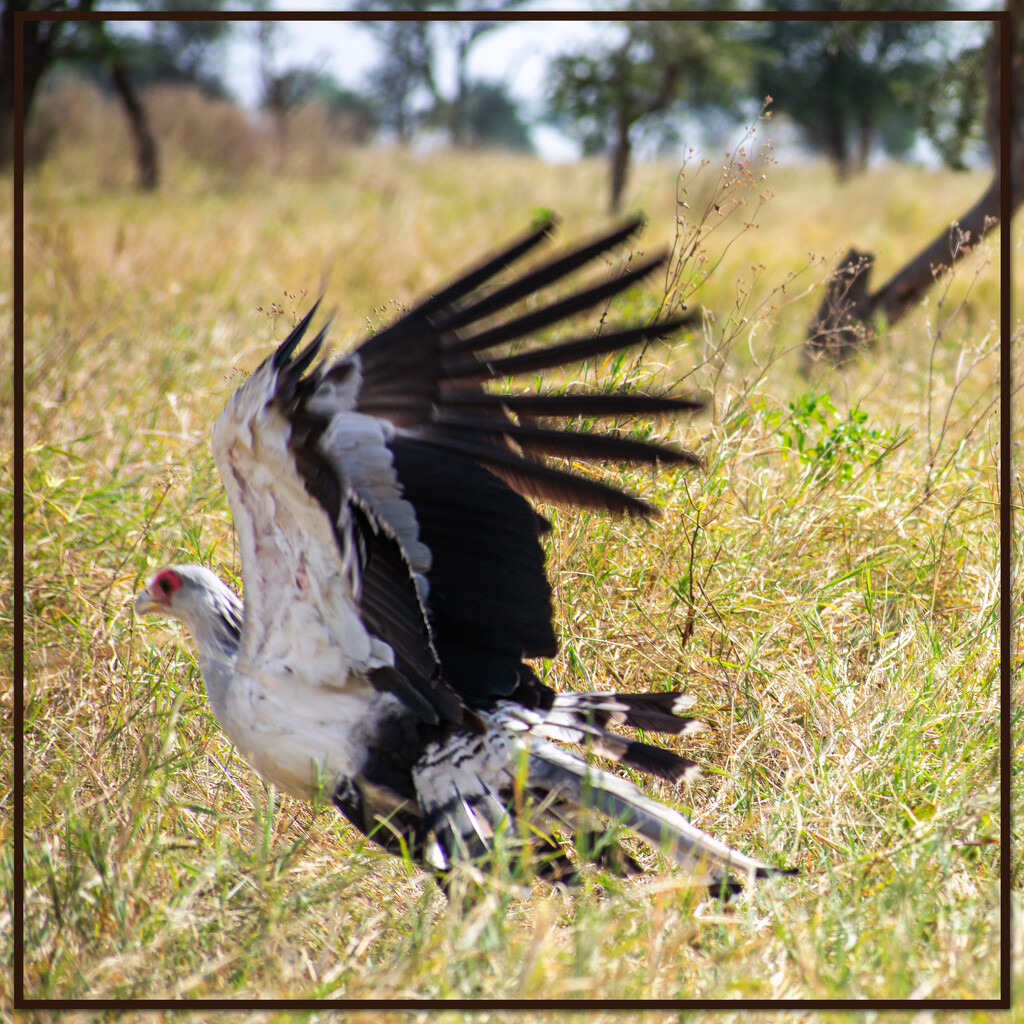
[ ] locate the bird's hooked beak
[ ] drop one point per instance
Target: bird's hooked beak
(147, 603)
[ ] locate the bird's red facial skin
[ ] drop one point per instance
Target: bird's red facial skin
(166, 585)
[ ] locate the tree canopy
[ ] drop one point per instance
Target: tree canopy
(849, 86)
(646, 77)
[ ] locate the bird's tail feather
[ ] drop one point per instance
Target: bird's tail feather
(466, 791)
(512, 782)
(708, 860)
(583, 718)
(653, 712)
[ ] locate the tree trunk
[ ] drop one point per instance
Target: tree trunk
(841, 324)
(620, 168)
(834, 133)
(7, 83)
(42, 45)
(839, 149)
(39, 38)
(844, 320)
(146, 158)
(457, 107)
(865, 136)
(906, 288)
(628, 112)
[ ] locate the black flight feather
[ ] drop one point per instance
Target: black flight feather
(291, 343)
(567, 443)
(591, 404)
(573, 351)
(417, 324)
(391, 609)
(549, 483)
(652, 712)
(489, 602)
(556, 311)
(544, 275)
(474, 279)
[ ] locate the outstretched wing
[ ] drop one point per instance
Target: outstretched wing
(424, 375)
(404, 429)
(332, 602)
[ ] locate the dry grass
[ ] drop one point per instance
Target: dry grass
(827, 588)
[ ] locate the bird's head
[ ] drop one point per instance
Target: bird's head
(196, 596)
(211, 611)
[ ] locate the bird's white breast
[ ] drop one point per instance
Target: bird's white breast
(295, 736)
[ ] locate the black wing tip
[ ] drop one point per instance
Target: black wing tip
(545, 222)
(767, 872)
(727, 887)
(291, 343)
(590, 446)
(632, 225)
(298, 366)
(630, 505)
(619, 403)
(654, 711)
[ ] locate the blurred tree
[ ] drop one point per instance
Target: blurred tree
(407, 83)
(175, 51)
(492, 118)
(284, 89)
(354, 114)
(845, 84)
(178, 51)
(397, 77)
(641, 79)
(117, 56)
(50, 43)
(281, 89)
(950, 106)
(45, 43)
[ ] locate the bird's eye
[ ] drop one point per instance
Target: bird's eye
(165, 585)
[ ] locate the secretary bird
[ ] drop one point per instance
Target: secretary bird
(394, 581)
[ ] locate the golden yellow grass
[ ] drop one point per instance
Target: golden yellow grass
(827, 588)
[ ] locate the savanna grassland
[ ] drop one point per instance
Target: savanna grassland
(827, 587)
